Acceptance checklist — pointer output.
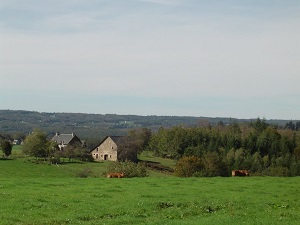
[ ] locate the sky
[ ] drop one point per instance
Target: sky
(217, 58)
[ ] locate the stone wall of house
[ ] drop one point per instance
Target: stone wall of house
(107, 150)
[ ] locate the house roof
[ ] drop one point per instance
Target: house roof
(64, 138)
(119, 140)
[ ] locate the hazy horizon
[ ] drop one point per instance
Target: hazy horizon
(91, 113)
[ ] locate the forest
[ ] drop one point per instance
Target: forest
(215, 151)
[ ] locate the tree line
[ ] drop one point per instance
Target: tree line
(215, 151)
(204, 150)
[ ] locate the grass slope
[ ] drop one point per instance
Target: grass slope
(49, 194)
(255, 200)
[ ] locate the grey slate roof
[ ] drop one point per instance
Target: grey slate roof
(63, 138)
(119, 140)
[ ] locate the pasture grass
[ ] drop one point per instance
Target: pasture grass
(149, 156)
(17, 151)
(49, 194)
(151, 200)
(28, 168)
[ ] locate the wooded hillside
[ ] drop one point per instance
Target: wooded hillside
(24, 121)
(94, 127)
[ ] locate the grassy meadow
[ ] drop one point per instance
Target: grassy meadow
(49, 194)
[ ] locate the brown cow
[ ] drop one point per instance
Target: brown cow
(240, 173)
(115, 175)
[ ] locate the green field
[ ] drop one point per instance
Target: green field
(49, 194)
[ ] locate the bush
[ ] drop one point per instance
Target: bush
(130, 169)
(209, 165)
(6, 148)
(188, 166)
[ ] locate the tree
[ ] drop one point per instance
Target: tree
(266, 162)
(77, 151)
(6, 148)
(239, 159)
(297, 152)
(158, 142)
(53, 152)
(257, 163)
(128, 148)
(259, 125)
(213, 165)
(35, 144)
(83, 154)
(229, 160)
(69, 152)
(141, 138)
(268, 142)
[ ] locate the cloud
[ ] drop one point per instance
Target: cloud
(206, 61)
(158, 51)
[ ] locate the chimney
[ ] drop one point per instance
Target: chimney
(57, 133)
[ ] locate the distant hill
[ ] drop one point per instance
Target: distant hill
(96, 126)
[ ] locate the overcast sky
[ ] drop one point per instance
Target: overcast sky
(217, 58)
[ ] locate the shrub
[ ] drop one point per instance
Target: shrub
(130, 169)
(188, 166)
(209, 165)
(6, 148)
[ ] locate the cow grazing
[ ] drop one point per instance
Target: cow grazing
(115, 175)
(240, 173)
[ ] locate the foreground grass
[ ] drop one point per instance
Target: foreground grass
(254, 200)
(49, 194)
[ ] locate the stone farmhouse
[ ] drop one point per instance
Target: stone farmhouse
(114, 148)
(66, 139)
